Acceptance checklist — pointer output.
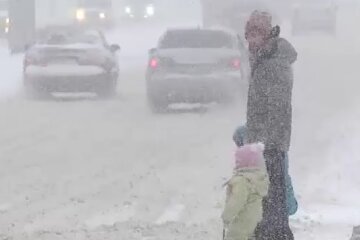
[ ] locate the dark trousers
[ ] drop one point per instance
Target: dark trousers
(275, 222)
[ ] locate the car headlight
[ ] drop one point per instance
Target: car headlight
(102, 15)
(7, 21)
(80, 14)
(128, 10)
(150, 10)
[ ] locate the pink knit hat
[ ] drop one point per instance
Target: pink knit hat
(250, 156)
(259, 22)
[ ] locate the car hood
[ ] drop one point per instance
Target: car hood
(197, 56)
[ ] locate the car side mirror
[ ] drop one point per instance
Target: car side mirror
(152, 51)
(115, 48)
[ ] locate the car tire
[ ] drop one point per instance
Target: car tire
(108, 90)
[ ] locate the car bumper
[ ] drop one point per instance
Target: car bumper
(73, 79)
(195, 88)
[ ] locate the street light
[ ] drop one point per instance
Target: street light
(80, 14)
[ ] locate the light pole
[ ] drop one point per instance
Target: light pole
(22, 24)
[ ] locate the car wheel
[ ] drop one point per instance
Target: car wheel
(108, 90)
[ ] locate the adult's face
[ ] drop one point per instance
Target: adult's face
(256, 39)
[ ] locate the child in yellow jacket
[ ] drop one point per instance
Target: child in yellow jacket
(245, 192)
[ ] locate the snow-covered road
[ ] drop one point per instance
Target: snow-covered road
(87, 169)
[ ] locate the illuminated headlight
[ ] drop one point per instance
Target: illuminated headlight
(150, 10)
(128, 10)
(6, 29)
(80, 14)
(102, 15)
(7, 21)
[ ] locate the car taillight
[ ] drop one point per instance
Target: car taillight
(236, 63)
(154, 63)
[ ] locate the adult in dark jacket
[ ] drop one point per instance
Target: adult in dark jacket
(269, 115)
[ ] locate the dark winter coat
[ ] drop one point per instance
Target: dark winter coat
(269, 110)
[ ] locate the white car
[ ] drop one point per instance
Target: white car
(71, 61)
(310, 15)
(194, 65)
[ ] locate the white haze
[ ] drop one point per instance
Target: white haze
(88, 169)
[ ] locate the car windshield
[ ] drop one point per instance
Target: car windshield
(62, 38)
(196, 39)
